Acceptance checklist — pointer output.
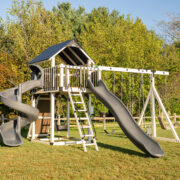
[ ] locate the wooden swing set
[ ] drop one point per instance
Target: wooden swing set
(70, 79)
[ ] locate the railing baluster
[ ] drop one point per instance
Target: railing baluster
(56, 76)
(52, 69)
(52, 82)
(84, 78)
(47, 79)
(50, 79)
(44, 80)
(53, 79)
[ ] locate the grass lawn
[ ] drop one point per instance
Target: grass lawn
(117, 158)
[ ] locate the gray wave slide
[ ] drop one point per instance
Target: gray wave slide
(125, 120)
(9, 132)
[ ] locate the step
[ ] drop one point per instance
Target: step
(81, 110)
(90, 144)
(75, 102)
(88, 135)
(79, 118)
(85, 126)
(83, 118)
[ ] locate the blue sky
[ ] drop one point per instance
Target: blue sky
(150, 11)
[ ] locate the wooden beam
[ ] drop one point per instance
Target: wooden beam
(76, 56)
(69, 58)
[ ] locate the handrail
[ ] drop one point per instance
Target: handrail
(116, 69)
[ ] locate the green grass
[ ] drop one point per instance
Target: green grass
(117, 158)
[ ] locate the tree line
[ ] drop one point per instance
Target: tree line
(110, 38)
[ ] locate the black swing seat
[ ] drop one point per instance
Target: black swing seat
(112, 132)
(60, 127)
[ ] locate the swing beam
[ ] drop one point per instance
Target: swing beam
(152, 95)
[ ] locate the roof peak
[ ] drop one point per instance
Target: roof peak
(70, 51)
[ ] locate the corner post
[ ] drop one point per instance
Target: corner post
(89, 70)
(52, 74)
(153, 115)
(34, 122)
(52, 62)
(61, 75)
(52, 108)
(98, 74)
(67, 77)
(52, 118)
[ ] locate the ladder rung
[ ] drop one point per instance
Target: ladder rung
(85, 126)
(79, 119)
(81, 110)
(78, 102)
(90, 144)
(88, 135)
(82, 118)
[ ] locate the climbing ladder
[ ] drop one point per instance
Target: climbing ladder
(79, 112)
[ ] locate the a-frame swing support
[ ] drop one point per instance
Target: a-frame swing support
(152, 95)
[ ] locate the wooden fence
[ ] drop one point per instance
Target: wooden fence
(173, 117)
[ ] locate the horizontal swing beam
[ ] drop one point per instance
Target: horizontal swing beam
(130, 70)
(62, 75)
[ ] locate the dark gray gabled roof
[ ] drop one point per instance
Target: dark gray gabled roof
(69, 51)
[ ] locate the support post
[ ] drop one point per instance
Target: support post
(52, 118)
(104, 121)
(61, 76)
(153, 115)
(33, 123)
(52, 61)
(68, 117)
(67, 78)
(80, 74)
(89, 71)
(52, 107)
(98, 74)
(52, 70)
